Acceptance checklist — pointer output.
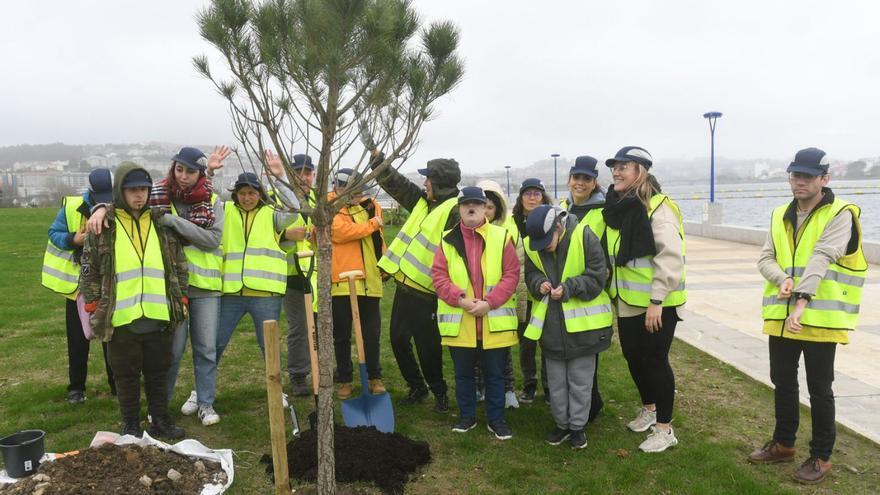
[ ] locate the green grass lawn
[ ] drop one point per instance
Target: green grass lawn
(721, 414)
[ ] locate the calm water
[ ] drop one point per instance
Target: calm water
(750, 204)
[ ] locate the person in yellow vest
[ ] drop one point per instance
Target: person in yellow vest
(585, 202)
(645, 241)
(532, 194)
(358, 243)
(497, 214)
(408, 260)
(571, 316)
(254, 264)
(60, 274)
(815, 270)
(134, 280)
(475, 273)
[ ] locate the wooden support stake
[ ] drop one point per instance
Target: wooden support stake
(276, 407)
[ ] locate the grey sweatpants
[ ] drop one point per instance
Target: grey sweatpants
(571, 389)
(297, 333)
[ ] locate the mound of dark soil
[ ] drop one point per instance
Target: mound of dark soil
(362, 454)
(114, 469)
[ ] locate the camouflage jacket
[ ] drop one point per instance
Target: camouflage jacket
(97, 279)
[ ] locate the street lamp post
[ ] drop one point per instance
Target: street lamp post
(555, 181)
(508, 180)
(712, 117)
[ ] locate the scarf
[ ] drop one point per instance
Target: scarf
(628, 215)
(201, 211)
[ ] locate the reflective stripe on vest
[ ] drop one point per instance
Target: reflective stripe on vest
(258, 263)
(501, 319)
(836, 302)
(60, 272)
(632, 282)
(593, 218)
(205, 267)
(140, 286)
(579, 315)
(412, 251)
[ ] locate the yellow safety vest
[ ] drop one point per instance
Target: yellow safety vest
(256, 262)
(632, 282)
(140, 284)
(205, 268)
(411, 253)
(451, 320)
(593, 218)
(60, 272)
(292, 247)
(512, 229)
(580, 315)
(835, 306)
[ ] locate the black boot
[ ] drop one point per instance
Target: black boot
(441, 403)
(132, 427)
(415, 395)
(163, 427)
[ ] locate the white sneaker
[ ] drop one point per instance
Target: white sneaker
(659, 440)
(510, 400)
(284, 401)
(191, 406)
(644, 420)
(208, 415)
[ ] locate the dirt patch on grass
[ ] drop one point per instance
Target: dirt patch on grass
(114, 469)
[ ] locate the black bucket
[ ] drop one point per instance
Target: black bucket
(22, 452)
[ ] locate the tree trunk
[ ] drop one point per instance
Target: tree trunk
(326, 458)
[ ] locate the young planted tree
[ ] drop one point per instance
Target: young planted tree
(315, 76)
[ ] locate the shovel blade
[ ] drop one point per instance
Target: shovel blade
(369, 410)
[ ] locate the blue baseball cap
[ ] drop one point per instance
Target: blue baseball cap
(472, 193)
(101, 186)
(192, 158)
(533, 182)
(137, 178)
(302, 161)
(541, 224)
(631, 154)
(343, 175)
(584, 165)
(811, 161)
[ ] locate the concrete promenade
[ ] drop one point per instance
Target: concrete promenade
(723, 318)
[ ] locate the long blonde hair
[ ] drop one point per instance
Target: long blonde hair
(644, 187)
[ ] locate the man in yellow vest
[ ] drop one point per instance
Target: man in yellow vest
(134, 280)
(408, 259)
(61, 275)
(815, 269)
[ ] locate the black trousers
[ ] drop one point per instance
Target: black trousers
(133, 354)
(819, 362)
(414, 318)
(371, 321)
(647, 355)
(527, 351)
(78, 352)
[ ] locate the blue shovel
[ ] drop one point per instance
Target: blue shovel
(366, 409)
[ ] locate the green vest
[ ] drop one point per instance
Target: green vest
(512, 229)
(292, 247)
(256, 262)
(632, 282)
(60, 271)
(205, 268)
(140, 285)
(836, 302)
(593, 218)
(501, 319)
(412, 251)
(580, 315)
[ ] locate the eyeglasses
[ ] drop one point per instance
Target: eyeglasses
(533, 193)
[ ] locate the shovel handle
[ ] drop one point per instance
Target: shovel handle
(313, 342)
(353, 275)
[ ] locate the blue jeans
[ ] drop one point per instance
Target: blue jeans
(201, 327)
(233, 309)
(464, 359)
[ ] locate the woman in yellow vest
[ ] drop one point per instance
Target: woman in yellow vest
(571, 316)
(475, 272)
(815, 271)
(645, 241)
(61, 275)
(134, 280)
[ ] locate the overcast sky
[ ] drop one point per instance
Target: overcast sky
(570, 77)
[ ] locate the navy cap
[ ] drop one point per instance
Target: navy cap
(533, 182)
(101, 186)
(192, 158)
(248, 179)
(472, 193)
(137, 178)
(343, 176)
(812, 161)
(584, 165)
(302, 161)
(631, 154)
(541, 224)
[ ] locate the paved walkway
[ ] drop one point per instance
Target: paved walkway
(723, 318)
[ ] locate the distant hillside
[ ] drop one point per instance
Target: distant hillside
(41, 153)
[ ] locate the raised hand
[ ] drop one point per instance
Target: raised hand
(273, 161)
(366, 136)
(215, 160)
